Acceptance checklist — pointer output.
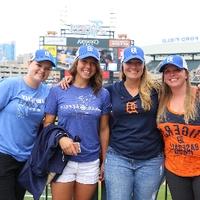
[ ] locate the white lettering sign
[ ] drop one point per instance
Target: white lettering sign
(87, 42)
(55, 41)
(90, 30)
(181, 39)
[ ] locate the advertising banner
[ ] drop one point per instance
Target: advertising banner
(76, 42)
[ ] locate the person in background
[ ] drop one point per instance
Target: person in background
(21, 113)
(134, 160)
(83, 109)
(179, 121)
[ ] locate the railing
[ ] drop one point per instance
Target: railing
(101, 189)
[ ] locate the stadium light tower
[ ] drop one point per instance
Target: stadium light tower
(64, 16)
(112, 20)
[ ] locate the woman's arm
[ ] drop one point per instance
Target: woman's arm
(65, 82)
(49, 119)
(68, 146)
(8, 88)
(104, 140)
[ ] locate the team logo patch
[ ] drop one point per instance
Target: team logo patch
(47, 54)
(131, 107)
(170, 59)
(133, 50)
(89, 48)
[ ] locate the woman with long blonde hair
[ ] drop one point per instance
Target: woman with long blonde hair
(134, 161)
(179, 121)
(134, 164)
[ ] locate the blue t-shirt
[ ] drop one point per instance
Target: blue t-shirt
(21, 112)
(134, 132)
(79, 112)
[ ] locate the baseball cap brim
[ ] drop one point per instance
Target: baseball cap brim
(46, 59)
(133, 57)
(164, 66)
(88, 55)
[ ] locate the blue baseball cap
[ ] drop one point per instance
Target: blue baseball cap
(175, 60)
(132, 52)
(43, 55)
(87, 51)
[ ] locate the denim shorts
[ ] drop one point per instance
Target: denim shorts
(81, 172)
(128, 179)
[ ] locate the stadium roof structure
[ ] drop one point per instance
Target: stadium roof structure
(173, 48)
(191, 52)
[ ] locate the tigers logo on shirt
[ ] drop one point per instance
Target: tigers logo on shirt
(131, 107)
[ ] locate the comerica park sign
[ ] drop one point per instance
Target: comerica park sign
(89, 30)
(93, 29)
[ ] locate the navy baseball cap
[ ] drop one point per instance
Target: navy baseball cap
(176, 60)
(43, 55)
(132, 52)
(87, 51)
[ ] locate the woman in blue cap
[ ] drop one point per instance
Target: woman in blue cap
(179, 122)
(83, 110)
(134, 161)
(21, 113)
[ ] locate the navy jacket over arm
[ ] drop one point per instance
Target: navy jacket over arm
(46, 157)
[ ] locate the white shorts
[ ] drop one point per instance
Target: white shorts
(81, 172)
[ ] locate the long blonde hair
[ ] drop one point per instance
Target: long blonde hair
(147, 84)
(189, 102)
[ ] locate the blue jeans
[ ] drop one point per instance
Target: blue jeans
(128, 179)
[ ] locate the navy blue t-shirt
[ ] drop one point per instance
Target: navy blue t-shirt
(134, 132)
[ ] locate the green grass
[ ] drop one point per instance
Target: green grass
(161, 194)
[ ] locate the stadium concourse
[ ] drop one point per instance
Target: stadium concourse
(190, 51)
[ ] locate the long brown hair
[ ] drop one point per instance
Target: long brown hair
(95, 82)
(147, 84)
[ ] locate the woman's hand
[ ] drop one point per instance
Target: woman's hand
(69, 147)
(101, 175)
(65, 83)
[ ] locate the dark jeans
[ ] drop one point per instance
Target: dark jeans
(183, 188)
(9, 170)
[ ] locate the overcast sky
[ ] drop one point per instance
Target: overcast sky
(145, 21)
